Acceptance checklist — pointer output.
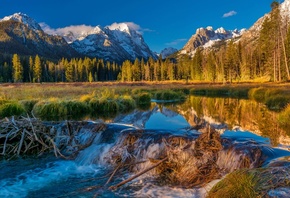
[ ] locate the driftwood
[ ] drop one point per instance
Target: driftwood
(137, 175)
(30, 136)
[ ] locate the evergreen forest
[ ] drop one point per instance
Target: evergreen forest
(258, 59)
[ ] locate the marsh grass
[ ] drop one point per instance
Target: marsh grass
(284, 119)
(169, 95)
(126, 103)
(274, 99)
(11, 109)
(258, 94)
(4, 101)
(28, 104)
(251, 183)
(239, 184)
(220, 92)
(142, 98)
(58, 109)
(277, 102)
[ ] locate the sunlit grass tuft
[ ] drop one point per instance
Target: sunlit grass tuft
(28, 104)
(57, 109)
(238, 184)
(284, 119)
(11, 109)
(126, 103)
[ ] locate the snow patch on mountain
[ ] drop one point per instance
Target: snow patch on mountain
(25, 19)
(207, 37)
(119, 41)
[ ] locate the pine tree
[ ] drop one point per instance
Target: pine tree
(17, 69)
(31, 64)
(136, 70)
(69, 72)
(91, 79)
(37, 69)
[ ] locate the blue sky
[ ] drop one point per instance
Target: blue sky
(167, 23)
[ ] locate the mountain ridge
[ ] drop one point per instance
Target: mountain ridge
(117, 42)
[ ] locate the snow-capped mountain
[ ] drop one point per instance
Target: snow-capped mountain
(207, 37)
(22, 35)
(23, 18)
(167, 52)
(116, 42)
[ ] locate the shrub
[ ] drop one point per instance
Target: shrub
(11, 109)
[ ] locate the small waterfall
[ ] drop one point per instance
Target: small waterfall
(94, 154)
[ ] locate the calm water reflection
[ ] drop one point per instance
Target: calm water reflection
(233, 114)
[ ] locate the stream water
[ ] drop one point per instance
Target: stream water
(246, 124)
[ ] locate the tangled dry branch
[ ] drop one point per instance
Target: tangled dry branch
(30, 136)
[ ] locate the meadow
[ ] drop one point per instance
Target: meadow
(54, 101)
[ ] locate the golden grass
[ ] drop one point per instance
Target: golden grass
(24, 91)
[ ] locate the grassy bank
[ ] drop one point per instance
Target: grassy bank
(251, 183)
(70, 99)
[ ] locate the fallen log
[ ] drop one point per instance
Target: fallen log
(137, 175)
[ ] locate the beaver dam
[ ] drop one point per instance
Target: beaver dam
(143, 159)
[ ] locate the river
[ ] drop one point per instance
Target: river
(245, 123)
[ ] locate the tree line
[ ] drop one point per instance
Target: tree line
(36, 69)
(267, 58)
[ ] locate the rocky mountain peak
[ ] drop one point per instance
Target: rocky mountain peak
(25, 19)
(123, 27)
(207, 37)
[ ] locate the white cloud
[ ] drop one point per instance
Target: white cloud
(176, 42)
(229, 14)
(79, 30)
(75, 29)
(131, 25)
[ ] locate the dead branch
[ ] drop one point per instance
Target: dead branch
(138, 174)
